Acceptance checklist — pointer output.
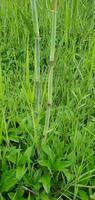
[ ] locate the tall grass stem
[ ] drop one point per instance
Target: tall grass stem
(51, 65)
(37, 54)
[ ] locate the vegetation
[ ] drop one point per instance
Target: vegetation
(47, 153)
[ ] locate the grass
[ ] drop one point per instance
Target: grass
(64, 166)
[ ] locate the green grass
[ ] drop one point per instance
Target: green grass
(63, 167)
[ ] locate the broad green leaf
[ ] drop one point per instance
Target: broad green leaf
(20, 171)
(68, 175)
(37, 186)
(8, 180)
(28, 152)
(49, 152)
(37, 175)
(45, 163)
(12, 155)
(83, 195)
(13, 136)
(26, 156)
(45, 180)
(11, 195)
(61, 165)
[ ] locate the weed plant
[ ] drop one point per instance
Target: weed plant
(62, 167)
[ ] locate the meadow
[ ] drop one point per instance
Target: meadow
(47, 100)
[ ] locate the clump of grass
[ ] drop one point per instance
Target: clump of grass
(51, 65)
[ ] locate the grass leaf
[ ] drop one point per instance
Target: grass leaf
(45, 180)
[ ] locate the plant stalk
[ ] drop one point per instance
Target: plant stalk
(51, 66)
(37, 54)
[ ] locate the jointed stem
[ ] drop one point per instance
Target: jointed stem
(37, 54)
(37, 69)
(51, 66)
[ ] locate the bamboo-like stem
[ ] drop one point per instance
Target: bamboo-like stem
(37, 54)
(51, 66)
